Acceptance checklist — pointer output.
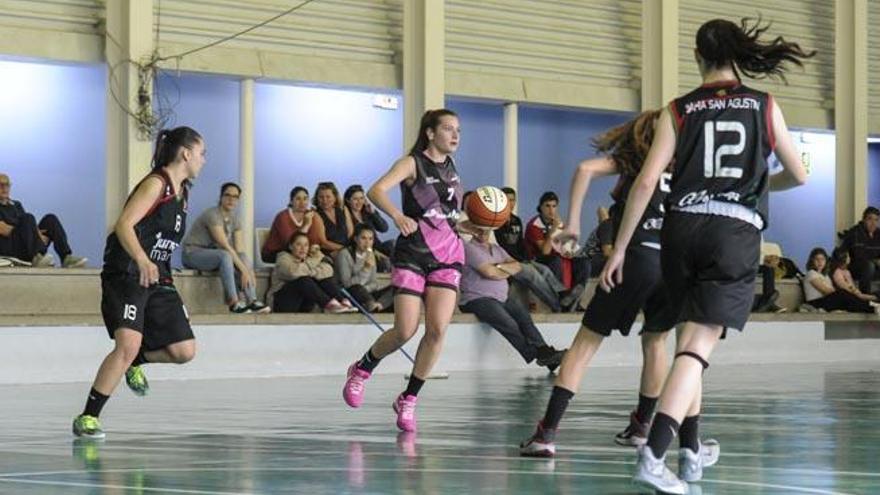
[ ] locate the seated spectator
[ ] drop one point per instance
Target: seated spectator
(484, 292)
(23, 238)
(333, 231)
(216, 242)
(510, 235)
(770, 269)
(600, 244)
(862, 242)
(302, 279)
(572, 272)
(819, 290)
(536, 277)
(362, 212)
(297, 217)
(356, 271)
(841, 276)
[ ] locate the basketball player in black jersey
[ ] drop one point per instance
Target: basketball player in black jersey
(721, 135)
(142, 310)
(624, 148)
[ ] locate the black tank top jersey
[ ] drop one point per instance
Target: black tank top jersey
(436, 192)
(159, 233)
(335, 232)
(648, 230)
(724, 137)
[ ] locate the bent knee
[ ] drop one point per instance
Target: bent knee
(182, 353)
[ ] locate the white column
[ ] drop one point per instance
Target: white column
(424, 83)
(129, 36)
(659, 52)
(246, 165)
(511, 145)
(850, 115)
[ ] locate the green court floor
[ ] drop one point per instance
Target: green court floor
(782, 428)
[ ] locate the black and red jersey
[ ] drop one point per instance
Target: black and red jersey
(159, 233)
(724, 138)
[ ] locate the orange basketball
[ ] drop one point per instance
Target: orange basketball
(488, 207)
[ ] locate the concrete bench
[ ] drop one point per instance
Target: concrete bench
(55, 291)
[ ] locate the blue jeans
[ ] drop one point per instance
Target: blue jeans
(204, 259)
(512, 321)
(542, 282)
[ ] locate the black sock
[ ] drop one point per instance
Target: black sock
(95, 403)
(368, 362)
(140, 358)
(645, 409)
(689, 434)
(414, 385)
(663, 430)
(559, 399)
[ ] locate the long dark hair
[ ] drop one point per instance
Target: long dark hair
(811, 264)
(169, 142)
(628, 144)
(721, 42)
(430, 120)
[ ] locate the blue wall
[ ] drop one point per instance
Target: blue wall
(480, 156)
(52, 144)
(874, 174)
(210, 105)
(305, 135)
(551, 144)
(803, 218)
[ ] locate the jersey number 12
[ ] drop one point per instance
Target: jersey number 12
(712, 157)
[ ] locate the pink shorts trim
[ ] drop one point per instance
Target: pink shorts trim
(410, 282)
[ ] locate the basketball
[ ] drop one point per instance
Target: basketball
(488, 207)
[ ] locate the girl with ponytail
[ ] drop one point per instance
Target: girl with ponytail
(427, 261)
(142, 310)
(720, 135)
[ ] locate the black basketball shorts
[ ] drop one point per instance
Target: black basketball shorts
(709, 265)
(156, 312)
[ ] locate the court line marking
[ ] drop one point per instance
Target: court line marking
(792, 488)
(122, 487)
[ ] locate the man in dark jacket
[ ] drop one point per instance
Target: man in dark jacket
(862, 241)
(23, 238)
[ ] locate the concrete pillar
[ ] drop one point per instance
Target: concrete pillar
(424, 84)
(246, 165)
(129, 149)
(850, 115)
(659, 52)
(511, 146)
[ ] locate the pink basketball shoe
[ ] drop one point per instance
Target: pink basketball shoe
(353, 391)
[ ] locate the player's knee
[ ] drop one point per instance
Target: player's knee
(404, 334)
(127, 351)
(434, 333)
(182, 353)
(693, 356)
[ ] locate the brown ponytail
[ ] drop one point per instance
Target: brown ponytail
(628, 143)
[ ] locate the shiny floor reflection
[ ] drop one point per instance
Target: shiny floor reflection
(783, 429)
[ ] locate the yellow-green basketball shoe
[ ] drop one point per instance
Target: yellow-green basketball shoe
(136, 380)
